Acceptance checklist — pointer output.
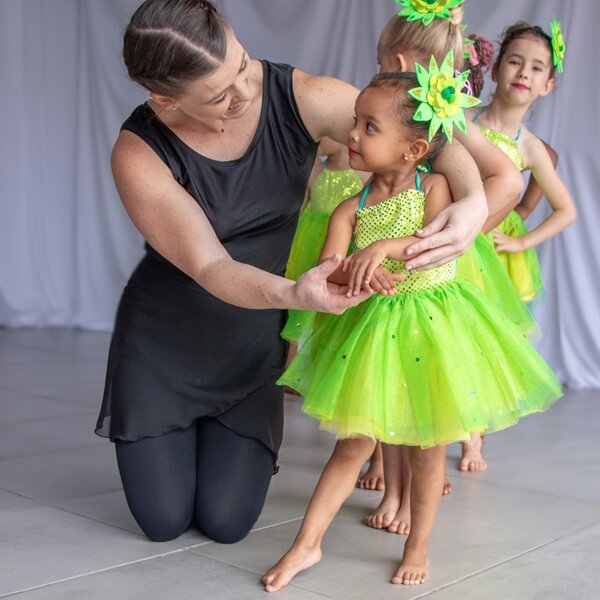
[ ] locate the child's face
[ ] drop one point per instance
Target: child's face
(524, 72)
(377, 142)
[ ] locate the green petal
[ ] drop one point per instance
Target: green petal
(427, 18)
(448, 129)
(459, 121)
(447, 65)
(433, 66)
(423, 113)
(468, 101)
(434, 126)
(422, 76)
(418, 94)
(461, 79)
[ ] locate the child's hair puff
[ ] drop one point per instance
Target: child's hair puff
(479, 62)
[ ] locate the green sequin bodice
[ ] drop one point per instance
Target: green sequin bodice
(397, 217)
(331, 187)
(505, 143)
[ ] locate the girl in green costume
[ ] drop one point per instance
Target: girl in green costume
(524, 70)
(331, 181)
(424, 365)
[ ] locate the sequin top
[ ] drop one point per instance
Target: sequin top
(505, 143)
(331, 187)
(399, 216)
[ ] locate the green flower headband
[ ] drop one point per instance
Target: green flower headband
(427, 10)
(558, 45)
(442, 101)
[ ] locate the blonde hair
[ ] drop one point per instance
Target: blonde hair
(437, 38)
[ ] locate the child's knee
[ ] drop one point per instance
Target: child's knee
(356, 449)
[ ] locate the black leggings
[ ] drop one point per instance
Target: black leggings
(206, 474)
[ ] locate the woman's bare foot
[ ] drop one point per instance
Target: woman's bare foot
(373, 478)
(472, 458)
(296, 559)
(383, 515)
(413, 570)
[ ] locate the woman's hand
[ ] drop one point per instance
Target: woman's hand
(448, 236)
(507, 243)
(312, 291)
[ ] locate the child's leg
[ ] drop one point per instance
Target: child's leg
(335, 485)
(373, 479)
(472, 458)
(401, 521)
(394, 484)
(427, 467)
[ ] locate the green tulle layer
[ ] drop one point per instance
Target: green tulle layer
(481, 265)
(523, 268)
(308, 243)
(420, 369)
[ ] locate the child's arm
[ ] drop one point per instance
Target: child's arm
(563, 207)
(339, 235)
(362, 265)
(501, 179)
(533, 194)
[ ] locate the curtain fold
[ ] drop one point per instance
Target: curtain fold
(66, 244)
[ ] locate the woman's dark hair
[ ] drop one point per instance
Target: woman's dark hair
(522, 30)
(481, 59)
(169, 43)
(396, 85)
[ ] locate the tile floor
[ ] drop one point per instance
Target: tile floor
(527, 529)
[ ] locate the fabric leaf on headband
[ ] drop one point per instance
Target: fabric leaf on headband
(558, 45)
(442, 101)
(427, 10)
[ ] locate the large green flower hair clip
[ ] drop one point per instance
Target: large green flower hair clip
(558, 45)
(442, 101)
(427, 10)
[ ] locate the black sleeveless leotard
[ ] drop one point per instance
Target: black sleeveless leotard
(177, 352)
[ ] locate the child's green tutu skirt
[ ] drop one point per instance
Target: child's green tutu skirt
(523, 268)
(421, 369)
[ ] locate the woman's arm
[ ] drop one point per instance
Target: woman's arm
(174, 224)
(563, 207)
(533, 194)
(452, 231)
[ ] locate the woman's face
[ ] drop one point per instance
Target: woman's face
(225, 93)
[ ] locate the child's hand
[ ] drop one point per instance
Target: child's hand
(361, 266)
(507, 243)
(384, 282)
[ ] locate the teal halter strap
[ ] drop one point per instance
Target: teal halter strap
(364, 196)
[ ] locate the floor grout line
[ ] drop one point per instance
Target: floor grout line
(507, 560)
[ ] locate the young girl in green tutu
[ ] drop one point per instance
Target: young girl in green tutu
(428, 361)
(524, 71)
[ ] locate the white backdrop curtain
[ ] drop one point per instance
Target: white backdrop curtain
(66, 244)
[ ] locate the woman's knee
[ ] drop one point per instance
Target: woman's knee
(161, 526)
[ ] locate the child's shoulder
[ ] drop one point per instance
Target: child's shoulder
(430, 181)
(349, 205)
(532, 148)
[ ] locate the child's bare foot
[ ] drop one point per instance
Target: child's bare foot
(401, 521)
(472, 458)
(383, 515)
(447, 489)
(296, 559)
(373, 478)
(413, 570)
